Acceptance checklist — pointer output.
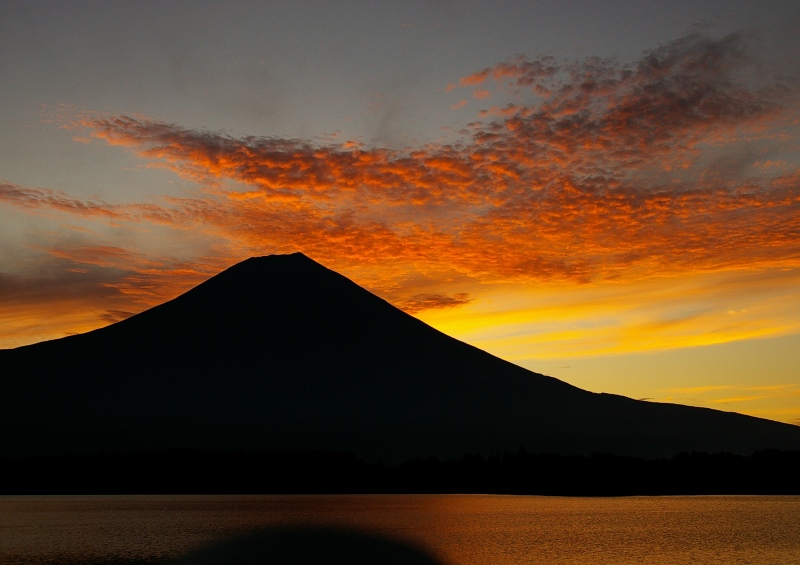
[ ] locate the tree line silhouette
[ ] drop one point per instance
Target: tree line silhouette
(331, 472)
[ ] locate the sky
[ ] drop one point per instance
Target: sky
(605, 192)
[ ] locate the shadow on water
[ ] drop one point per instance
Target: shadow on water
(292, 546)
(307, 546)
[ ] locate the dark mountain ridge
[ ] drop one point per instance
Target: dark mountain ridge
(279, 352)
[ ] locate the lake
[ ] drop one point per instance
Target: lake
(457, 529)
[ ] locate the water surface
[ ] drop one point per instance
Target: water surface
(458, 529)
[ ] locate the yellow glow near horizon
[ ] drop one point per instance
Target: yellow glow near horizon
(616, 318)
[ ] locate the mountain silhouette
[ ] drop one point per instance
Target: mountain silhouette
(279, 352)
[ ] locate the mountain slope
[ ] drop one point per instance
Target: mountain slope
(280, 352)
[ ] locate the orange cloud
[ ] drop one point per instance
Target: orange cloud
(523, 71)
(612, 172)
(429, 301)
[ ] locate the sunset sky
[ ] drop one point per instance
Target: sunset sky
(605, 192)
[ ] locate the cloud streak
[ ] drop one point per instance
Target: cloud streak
(428, 301)
(78, 287)
(42, 199)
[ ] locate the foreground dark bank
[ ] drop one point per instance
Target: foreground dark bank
(280, 353)
(324, 472)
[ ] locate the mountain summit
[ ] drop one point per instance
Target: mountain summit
(279, 352)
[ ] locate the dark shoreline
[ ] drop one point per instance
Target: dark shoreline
(330, 472)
